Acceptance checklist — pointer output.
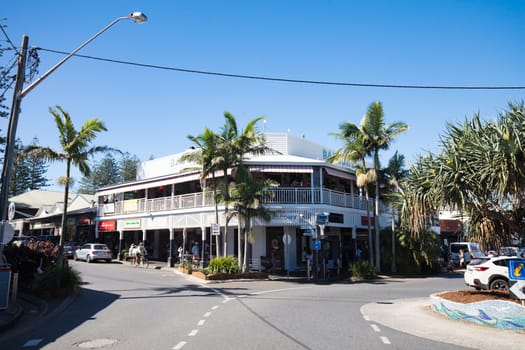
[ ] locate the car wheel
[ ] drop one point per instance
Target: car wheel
(88, 259)
(499, 284)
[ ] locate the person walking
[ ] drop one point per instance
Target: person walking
(195, 252)
(141, 253)
(132, 252)
(181, 252)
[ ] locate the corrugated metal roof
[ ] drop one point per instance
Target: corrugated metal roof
(36, 198)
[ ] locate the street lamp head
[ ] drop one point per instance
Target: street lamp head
(138, 17)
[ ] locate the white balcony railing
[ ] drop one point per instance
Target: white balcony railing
(277, 195)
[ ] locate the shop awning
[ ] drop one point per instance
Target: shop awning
(281, 169)
(339, 173)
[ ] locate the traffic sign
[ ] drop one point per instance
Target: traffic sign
(516, 269)
(316, 245)
(215, 229)
(322, 219)
(517, 290)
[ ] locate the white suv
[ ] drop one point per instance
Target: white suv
(489, 273)
(93, 251)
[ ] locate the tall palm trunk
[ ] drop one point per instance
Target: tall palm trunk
(247, 228)
(216, 202)
(239, 240)
(370, 242)
(63, 225)
(226, 199)
(376, 212)
(376, 226)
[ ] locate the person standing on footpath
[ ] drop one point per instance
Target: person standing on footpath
(133, 253)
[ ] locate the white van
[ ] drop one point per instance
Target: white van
(471, 250)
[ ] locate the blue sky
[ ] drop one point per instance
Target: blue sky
(149, 112)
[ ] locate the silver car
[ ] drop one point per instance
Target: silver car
(92, 252)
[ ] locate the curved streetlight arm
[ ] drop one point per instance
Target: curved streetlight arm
(137, 17)
(18, 94)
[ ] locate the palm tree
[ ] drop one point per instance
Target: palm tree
(223, 152)
(353, 151)
(376, 136)
(232, 148)
(205, 156)
(480, 173)
(246, 196)
(76, 149)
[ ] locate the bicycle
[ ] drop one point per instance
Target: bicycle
(143, 260)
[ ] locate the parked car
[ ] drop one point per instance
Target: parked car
(70, 248)
(470, 249)
(508, 251)
(489, 273)
(92, 252)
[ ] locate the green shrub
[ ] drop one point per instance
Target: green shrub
(362, 268)
(225, 264)
(57, 278)
(187, 265)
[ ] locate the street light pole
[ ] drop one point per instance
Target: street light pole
(18, 93)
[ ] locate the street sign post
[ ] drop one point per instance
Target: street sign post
(517, 273)
(215, 229)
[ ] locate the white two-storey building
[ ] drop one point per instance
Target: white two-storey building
(166, 207)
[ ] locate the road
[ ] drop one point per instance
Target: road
(122, 307)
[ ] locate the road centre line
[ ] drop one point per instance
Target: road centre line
(375, 328)
(193, 332)
(201, 322)
(179, 345)
(215, 307)
(385, 340)
(207, 314)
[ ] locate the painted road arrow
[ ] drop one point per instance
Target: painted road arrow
(517, 290)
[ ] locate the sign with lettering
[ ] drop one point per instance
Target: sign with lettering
(131, 224)
(110, 225)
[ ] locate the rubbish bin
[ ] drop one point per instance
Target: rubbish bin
(5, 285)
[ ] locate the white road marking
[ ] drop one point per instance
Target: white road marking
(201, 322)
(193, 332)
(375, 328)
(179, 345)
(32, 342)
(385, 340)
(207, 314)
(366, 318)
(215, 307)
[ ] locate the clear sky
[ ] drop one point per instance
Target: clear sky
(149, 112)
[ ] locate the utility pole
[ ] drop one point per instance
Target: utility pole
(11, 136)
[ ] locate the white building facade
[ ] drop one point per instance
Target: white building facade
(166, 207)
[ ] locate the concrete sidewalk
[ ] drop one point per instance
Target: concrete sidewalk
(415, 317)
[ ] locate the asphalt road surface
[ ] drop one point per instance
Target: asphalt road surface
(123, 307)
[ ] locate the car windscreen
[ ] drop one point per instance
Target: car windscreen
(455, 248)
(100, 247)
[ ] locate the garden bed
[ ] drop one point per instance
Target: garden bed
(230, 276)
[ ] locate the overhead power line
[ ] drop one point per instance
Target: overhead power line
(8, 39)
(300, 81)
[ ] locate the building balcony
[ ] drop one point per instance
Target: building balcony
(276, 196)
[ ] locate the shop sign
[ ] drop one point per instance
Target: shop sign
(85, 221)
(110, 225)
(131, 224)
